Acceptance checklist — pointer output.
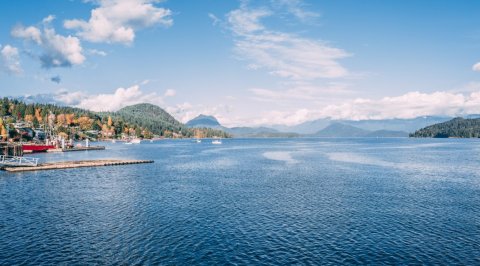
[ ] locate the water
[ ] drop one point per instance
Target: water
(251, 201)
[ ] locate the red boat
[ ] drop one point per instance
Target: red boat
(30, 148)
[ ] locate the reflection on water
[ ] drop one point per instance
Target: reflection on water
(250, 201)
(280, 156)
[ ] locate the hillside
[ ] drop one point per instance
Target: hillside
(141, 120)
(404, 125)
(338, 130)
(455, 128)
(258, 132)
(341, 131)
(207, 121)
(151, 117)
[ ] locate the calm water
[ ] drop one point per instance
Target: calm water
(301, 201)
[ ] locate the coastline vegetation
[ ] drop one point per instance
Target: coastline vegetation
(19, 120)
(455, 128)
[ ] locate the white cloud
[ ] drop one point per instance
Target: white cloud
(296, 8)
(282, 54)
(215, 19)
(29, 33)
(48, 19)
(97, 52)
(186, 111)
(409, 105)
(476, 67)
(115, 21)
(10, 59)
(302, 92)
(170, 93)
(57, 50)
(120, 98)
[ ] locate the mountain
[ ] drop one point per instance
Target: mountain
(387, 134)
(455, 128)
(408, 125)
(258, 132)
(338, 130)
(405, 125)
(309, 127)
(206, 121)
(203, 121)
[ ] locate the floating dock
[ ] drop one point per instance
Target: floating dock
(74, 164)
(84, 148)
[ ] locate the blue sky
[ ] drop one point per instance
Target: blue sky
(247, 62)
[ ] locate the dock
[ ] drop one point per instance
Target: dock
(84, 148)
(74, 164)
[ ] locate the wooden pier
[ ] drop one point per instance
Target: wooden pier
(84, 148)
(74, 164)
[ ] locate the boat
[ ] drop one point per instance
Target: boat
(114, 141)
(136, 141)
(31, 147)
(133, 141)
(217, 141)
(198, 141)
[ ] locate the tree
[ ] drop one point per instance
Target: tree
(3, 132)
(85, 123)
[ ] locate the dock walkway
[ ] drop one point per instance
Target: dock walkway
(74, 164)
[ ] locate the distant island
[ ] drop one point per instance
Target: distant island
(455, 128)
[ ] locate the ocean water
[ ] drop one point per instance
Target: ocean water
(248, 202)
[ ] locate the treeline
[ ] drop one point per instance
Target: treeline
(142, 120)
(455, 128)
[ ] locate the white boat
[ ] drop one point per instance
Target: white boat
(217, 141)
(198, 141)
(133, 141)
(114, 141)
(136, 141)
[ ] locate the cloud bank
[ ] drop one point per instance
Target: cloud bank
(115, 21)
(409, 105)
(120, 98)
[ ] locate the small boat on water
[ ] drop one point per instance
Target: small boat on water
(217, 141)
(133, 141)
(31, 147)
(198, 141)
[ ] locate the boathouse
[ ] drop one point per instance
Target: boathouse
(11, 149)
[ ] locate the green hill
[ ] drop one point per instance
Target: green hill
(140, 120)
(455, 128)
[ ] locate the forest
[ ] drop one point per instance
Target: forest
(137, 121)
(455, 128)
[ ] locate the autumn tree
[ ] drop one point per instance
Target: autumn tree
(61, 119)
(85, 123)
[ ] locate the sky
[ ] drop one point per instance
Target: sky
(247, 63)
